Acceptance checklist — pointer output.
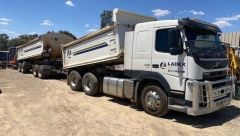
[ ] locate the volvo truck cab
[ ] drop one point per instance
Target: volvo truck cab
(188, 60)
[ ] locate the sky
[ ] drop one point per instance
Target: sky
(81, 17)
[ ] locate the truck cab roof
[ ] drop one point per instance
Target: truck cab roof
(182, 23)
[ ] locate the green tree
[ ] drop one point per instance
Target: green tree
(50, 32)
(3, 41)
(68, 33)
(27, 38)
(22, 39)
(106, 18)
(15, 42)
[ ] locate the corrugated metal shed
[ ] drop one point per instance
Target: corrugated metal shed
(233, 38)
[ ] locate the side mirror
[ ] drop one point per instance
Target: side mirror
(175, 41)
(176, 51)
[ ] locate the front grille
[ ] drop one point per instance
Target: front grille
(221, 84)
(215, 75)
(204, 100)
(221, 98)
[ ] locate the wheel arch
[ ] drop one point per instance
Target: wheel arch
(146, 77)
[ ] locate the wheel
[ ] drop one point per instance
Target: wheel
(22, 65)
(154, 100)
(25, 67)
(44, 71)
(24, 70)
(75, 80)
(19, 67)
(35, 70)
(90, 84)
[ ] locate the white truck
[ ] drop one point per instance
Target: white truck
(43, 55)
(162, 65)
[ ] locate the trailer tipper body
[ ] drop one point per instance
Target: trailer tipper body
(42, 56)
(172, 64)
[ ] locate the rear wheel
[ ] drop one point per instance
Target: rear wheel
(25, 67)
(90, 84)
(22, 67)
(154, 100)
(44, 71)
(75, 80)
(35, 70)
(19, 67)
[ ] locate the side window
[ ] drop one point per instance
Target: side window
(162, 40)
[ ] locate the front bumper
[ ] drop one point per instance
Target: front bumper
(208, 96)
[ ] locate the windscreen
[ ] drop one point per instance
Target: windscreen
(206, 49)
(204, 44)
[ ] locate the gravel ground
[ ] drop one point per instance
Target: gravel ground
(34, 107)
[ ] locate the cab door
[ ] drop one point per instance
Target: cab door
(142, 49)
(172, 67)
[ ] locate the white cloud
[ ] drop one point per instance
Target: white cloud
(222, 23)
(194, 12)
(33, 33)
(160, 12)
(231, 18)
(226, 21)
(86, 25)
(91, 30)
(182, 12)
(8, 31)
(5, 21)
(69, 3)
(47, 23)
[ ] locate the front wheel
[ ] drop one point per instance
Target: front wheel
(154, 100)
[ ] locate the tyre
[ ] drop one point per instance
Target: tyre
(25, 71)
(75, 81)
(90, 84)
(44, 71)
(35, 70)
(22, 67)
(25, 67)
(19, 67)
(154, 100)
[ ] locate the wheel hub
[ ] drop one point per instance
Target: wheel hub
(39, 74)
(88, 85)
(74, 81)
(152, 100)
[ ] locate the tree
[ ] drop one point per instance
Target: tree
(22, 39)
(68, 33)
(15, 42)
(106, 18)
(50, 32)
(3, 41)
(27, 38)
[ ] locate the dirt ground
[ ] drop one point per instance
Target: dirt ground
(34, 107)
